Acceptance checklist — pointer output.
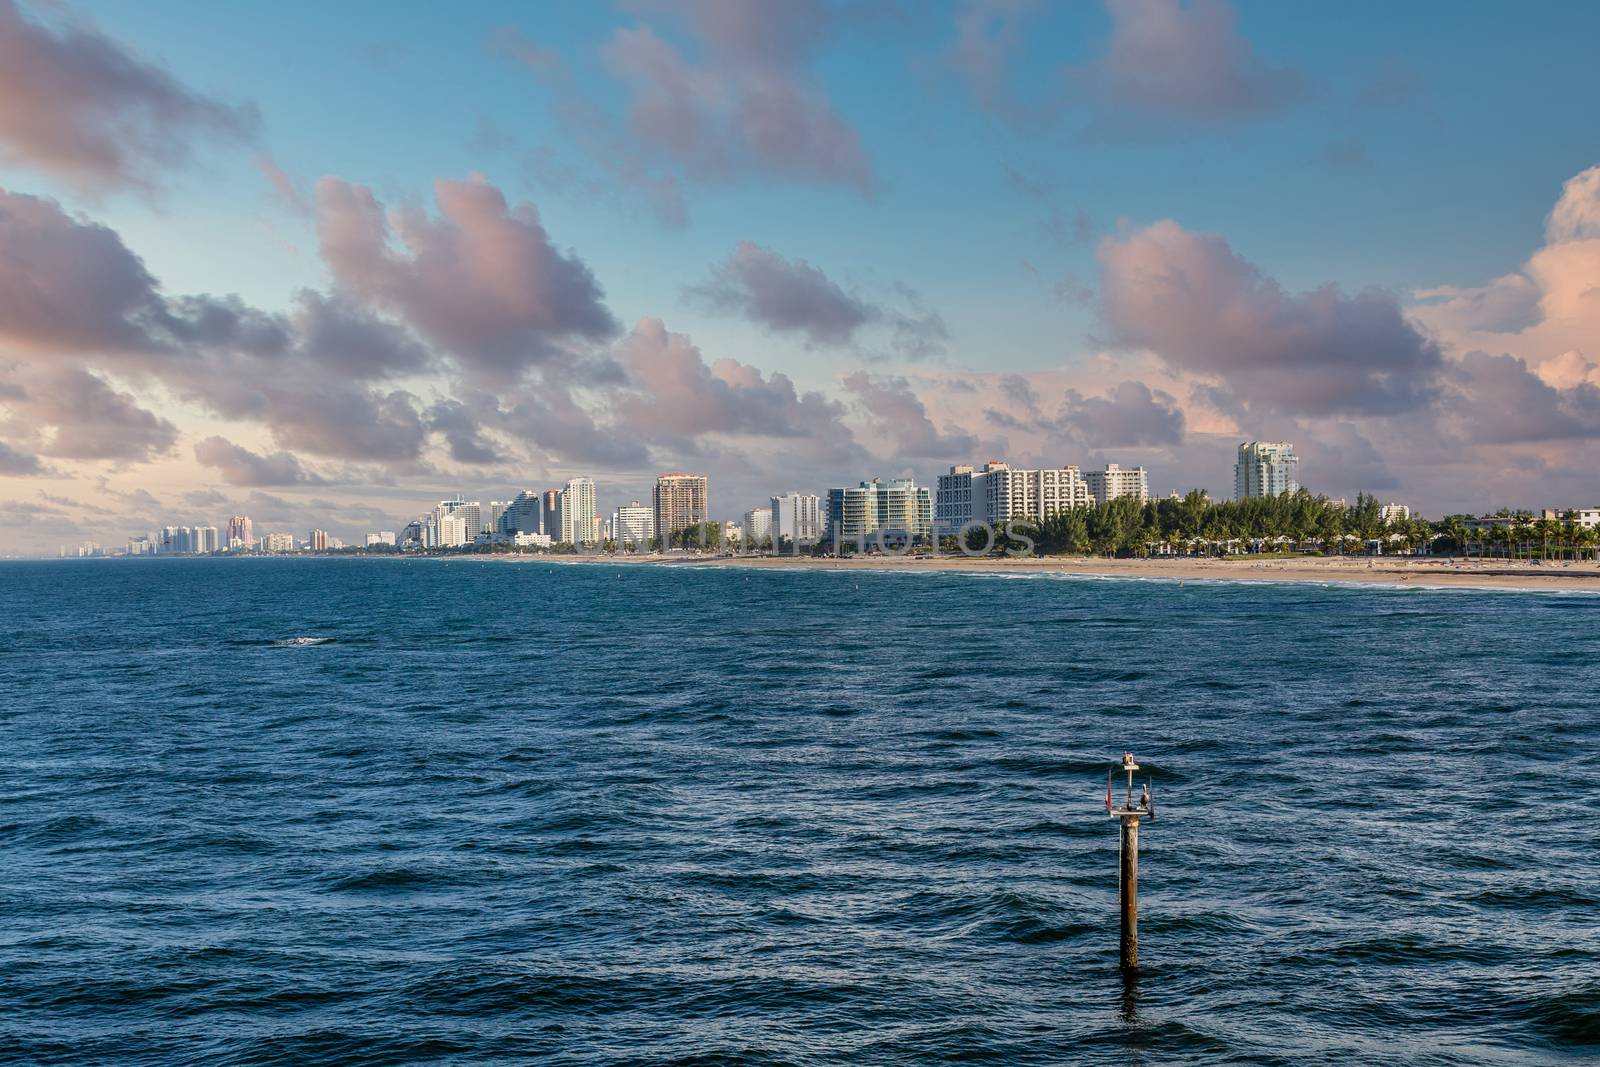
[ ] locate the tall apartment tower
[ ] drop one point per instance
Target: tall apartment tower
(239, 529)
(633, 525)
(681, 501)
(1000, 493)
(1265, 468)
(1114, 481)
(797, 517)
(578, 525)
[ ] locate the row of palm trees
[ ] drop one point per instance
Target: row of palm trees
(1197, 524)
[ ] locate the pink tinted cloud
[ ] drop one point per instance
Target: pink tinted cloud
(72, 413)
(676, 393)
(69, 283)
(1206, 311)
(482, 279)
(1169, 61)
(239, 466)
(78, 105)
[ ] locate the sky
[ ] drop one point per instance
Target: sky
(325, 265)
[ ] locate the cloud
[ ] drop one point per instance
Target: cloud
(750, 104)
(70, 413)
(348, 423)
(784, 296)
(1548, 312)
(70, 283)
(1169, 61)
(1509, 303)
(346, 340)
(1131, 416)
(482, 280)
(1207, 312)
(896, 412)
(792, 296)
(77, 105)
(677, 395)
(988, 33)
(744, 105)
(15, 464)
(1498, 400)
(462, 432)
(240, 466)
(1576, 216)
(283, 187)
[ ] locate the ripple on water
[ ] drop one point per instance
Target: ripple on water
(603, 815)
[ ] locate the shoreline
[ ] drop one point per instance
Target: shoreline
(1393, 572)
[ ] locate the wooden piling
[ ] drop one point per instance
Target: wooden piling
(1130, 892)
(1129, 814)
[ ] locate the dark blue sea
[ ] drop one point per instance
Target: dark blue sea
(419, 811)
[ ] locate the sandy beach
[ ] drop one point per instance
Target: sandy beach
(1435, 572)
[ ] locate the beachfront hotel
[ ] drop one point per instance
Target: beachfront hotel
(680, 501)
(1115, 482)
(1264, 468)
(578, 524)
(898, 506)
(633, 525)
(999, 493)
(797, 517)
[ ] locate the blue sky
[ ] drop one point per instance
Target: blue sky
(1402, 147)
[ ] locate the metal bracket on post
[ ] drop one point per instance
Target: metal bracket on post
(1130, 812)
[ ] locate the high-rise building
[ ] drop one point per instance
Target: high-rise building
(633, 525)
(380, 537)
(239, 529)
(898, 506)
(796, 517)
(577, 513)
(452, 531)
(757, 526)
(1000, 493)
(470, 512)
(525, 515)
(1114, 482)
(492, 516)
(207, 539)
(1392, 512)
(552, 513)
(318, 540)
(280, 542)
(681, 501)
(1264, 468)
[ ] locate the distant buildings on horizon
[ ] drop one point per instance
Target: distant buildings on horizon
(993, 494)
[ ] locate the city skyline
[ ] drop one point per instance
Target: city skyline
(990, 496)
(579, 250)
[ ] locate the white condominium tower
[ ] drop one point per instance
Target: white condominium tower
(681, 501)
(578, 525)
(757, 525)
(1265, 468)
(999, 493)
(797, 517)
(1114, 482)
(898, 506)
(633, 525)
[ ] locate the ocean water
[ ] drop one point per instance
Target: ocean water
(387, 811)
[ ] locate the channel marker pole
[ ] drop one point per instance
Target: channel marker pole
(1129, 813)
